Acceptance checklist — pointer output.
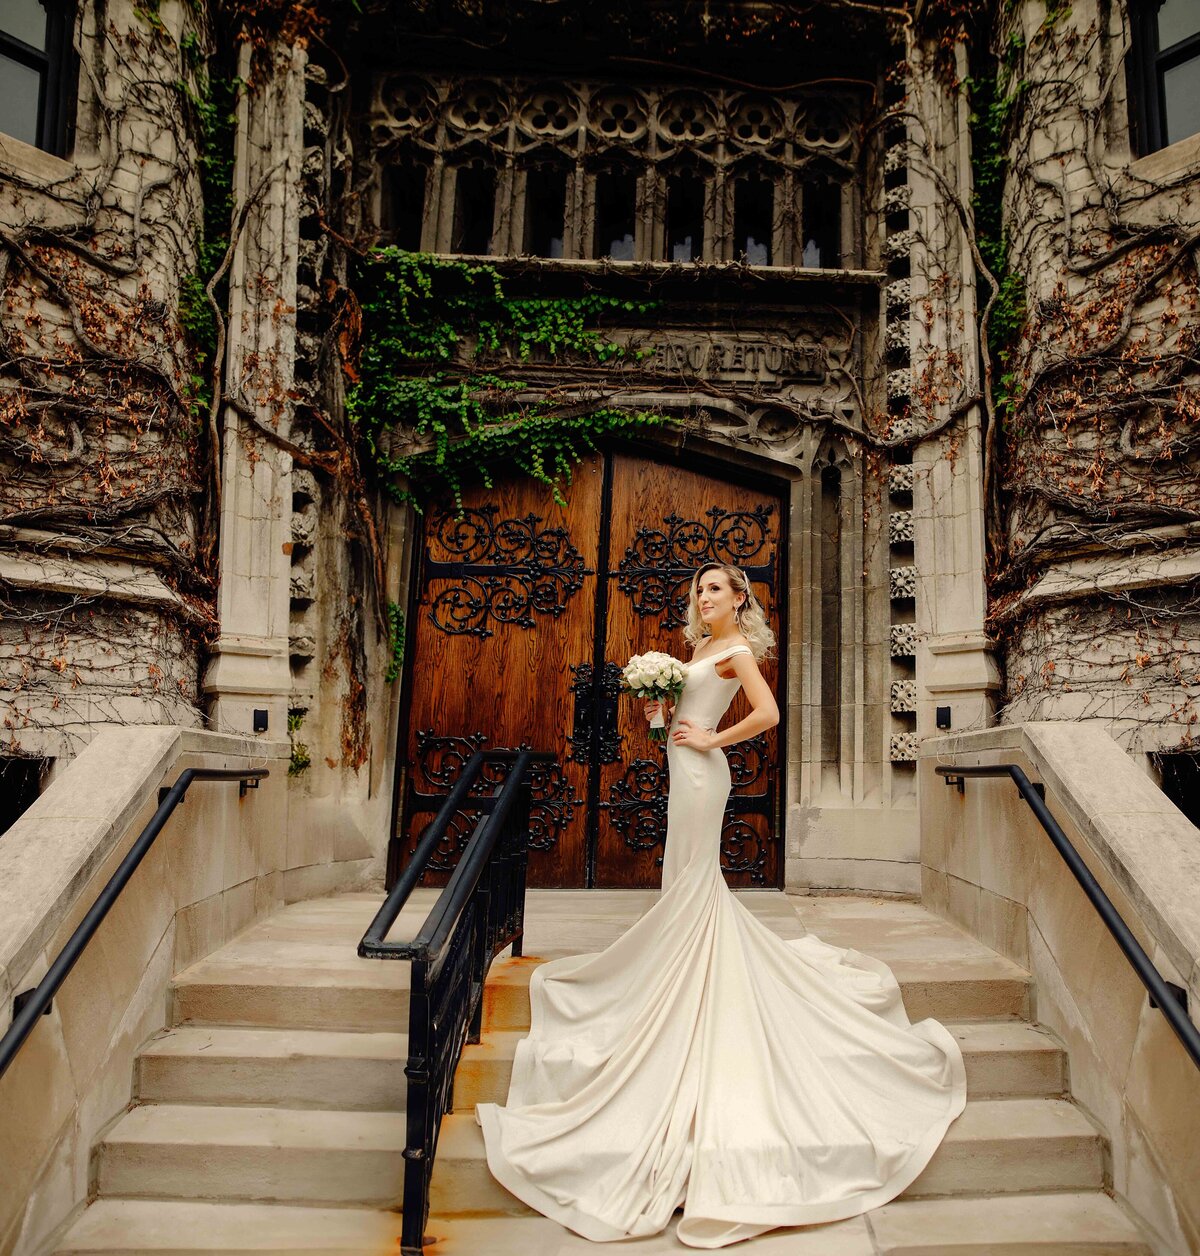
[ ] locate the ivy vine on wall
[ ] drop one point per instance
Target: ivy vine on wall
(441, 389)
(212, 99)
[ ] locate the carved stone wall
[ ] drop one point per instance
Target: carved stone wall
(102, 604)
(1101, 615)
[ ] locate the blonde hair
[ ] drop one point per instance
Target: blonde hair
(752, 620)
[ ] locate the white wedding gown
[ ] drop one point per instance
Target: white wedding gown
(702, 1061)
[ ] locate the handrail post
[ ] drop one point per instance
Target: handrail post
(480, 957)
(522, 876)
(418, 1114)
(478, 913)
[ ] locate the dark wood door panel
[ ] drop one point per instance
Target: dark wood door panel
(664, 522)
(505, 606)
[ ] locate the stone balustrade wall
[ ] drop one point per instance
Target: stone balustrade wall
(221, 863)
(988, 865)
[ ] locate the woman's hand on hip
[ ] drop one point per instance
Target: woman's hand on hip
(689, 733)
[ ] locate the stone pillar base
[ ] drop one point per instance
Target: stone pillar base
(244, 676)
(959, 670)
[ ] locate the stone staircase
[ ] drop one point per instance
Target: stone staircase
(270, 1117)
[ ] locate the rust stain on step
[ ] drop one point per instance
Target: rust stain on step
(505, 975)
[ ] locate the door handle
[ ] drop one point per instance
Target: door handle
(608, 728)
(582, 733)
(595, 733)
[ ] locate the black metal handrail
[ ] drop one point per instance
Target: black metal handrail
(30, 1004)
(1169, 998)
(480, 911)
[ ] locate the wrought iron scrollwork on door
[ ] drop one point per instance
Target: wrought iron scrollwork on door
(637, 806)
(595, 737)
(439, 762)
(657, 568)
(504, 571)
(743, 847)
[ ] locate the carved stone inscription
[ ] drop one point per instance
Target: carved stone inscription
(767, 383)
(819, 357)
(744, 360)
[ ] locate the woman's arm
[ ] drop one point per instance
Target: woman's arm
(764, 712)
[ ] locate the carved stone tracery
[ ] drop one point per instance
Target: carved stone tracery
(721, 137)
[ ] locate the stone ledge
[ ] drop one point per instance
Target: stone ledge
(90, 577)
(19, 158)
(1180, 158)
(1080, 579)
(51, 852)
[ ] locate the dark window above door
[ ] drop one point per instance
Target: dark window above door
(545, 211)
(616, 215)
(474, 209)
(684, 235)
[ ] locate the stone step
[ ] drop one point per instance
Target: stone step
(996, 1146)
(186, 1151)
(1010, 1060)
(928, 955)
(1004, 1059)
(995, 990)
(1001, 1145)
(308, 989)
(320, 1157)
(293, 1068)
(1068, 1224)
(292, 985)
(155, 1227)
(299, 969)
(343, 1071)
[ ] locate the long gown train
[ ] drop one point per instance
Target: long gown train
(701, 1060)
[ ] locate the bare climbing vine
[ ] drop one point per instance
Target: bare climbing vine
(101, 459)
(113, 319)
(1089, 328)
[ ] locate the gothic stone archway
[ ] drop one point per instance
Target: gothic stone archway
(523, 615)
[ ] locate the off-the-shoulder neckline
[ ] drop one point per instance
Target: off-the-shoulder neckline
(709, 658)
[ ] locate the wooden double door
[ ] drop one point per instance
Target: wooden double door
(523, 614)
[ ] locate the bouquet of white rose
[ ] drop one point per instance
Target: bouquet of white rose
(655, 676)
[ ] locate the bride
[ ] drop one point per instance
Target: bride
(701, 1061)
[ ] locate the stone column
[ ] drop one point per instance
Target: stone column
(955, 663)
(249, 670)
